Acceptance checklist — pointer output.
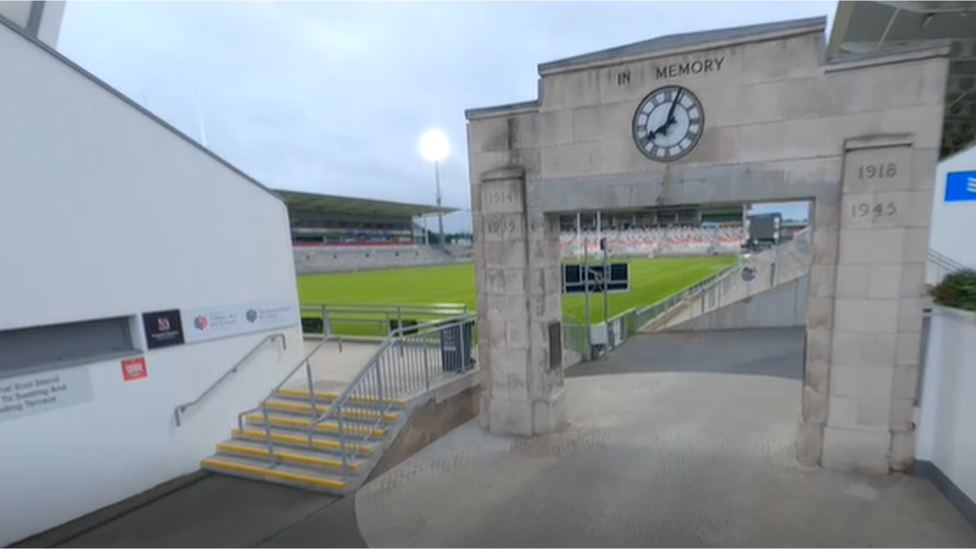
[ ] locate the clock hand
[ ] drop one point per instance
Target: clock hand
(674, 104)
(669, 121)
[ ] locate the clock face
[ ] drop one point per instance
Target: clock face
(668, 123)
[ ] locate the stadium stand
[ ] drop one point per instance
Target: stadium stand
(334, 259)
(335, 234)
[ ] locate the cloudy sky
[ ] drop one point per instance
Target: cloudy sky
(332, 97)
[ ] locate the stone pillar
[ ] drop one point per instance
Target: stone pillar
(877, 312)
(820, 324)
(519, 309)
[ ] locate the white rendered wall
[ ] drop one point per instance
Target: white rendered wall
(946, 436)
(104, 213)
(953, 223)
(49, 28)
(17, 12)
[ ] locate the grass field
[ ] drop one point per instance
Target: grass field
(650, 280)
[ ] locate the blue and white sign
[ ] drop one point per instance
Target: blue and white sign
(960, 187)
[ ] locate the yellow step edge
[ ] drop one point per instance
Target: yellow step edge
(332, 396)
(284, 455)
(329, 483)
(299, 439)
(321, 408)
(299, 422)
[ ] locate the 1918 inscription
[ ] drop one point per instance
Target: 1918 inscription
(877, 209)
(883, 170)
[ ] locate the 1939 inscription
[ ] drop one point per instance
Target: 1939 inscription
(877, 209)
(701, 66)
(883, 170)
(501, 227)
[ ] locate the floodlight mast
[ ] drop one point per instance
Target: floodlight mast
(434, 147)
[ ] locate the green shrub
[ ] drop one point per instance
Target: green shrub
(957, 290)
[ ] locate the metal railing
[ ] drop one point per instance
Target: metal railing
(629, 322)
(939, 265)
(771, 267)
(576, 337)
(412, 359)
(373, 319)
(182, 408)
(305, 363)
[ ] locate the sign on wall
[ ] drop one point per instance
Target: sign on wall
(134, 369)
(960, 186)
(209, 323)
(163, 328)
(42, 392)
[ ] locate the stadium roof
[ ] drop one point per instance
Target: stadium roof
(328, 204)
(865, 27)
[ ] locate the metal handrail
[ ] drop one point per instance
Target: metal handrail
(273, 392)
(179, 410)
(946, 262)
(386, 344)
(336, 406)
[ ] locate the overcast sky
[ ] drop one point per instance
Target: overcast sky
(332, 97)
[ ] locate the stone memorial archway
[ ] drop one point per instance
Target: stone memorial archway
(749, 114)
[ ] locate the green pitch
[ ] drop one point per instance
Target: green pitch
(650, 281)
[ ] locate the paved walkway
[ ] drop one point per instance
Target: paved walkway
(679, 459)
(221, 511)
(333, 365)
(675, 440)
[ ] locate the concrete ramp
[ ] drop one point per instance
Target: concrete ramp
(782, 306)
(757, 275)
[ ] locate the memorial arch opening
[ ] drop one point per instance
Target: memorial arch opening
(744, 115)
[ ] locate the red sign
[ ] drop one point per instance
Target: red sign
(134, 368)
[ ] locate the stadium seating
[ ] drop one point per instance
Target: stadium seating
(333, 259)
(685, 240)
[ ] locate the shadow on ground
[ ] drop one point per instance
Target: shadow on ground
(223, 511)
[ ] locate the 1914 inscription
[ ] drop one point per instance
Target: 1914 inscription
(500, 197)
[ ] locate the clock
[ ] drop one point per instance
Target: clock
(668, 123)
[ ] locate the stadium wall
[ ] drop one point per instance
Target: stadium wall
(107, 213)
(338, 259)
(954, 215)
(946, 439)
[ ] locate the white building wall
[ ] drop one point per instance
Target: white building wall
(16, 12)
(48, 25)
(105, 212)
(954, 223)
(946, 436)
(49, 29)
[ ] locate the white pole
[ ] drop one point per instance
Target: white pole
(440, 214)
(599, 228)
(579, 237)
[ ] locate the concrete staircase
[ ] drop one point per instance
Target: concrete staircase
(306, 433)
(285, 441)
